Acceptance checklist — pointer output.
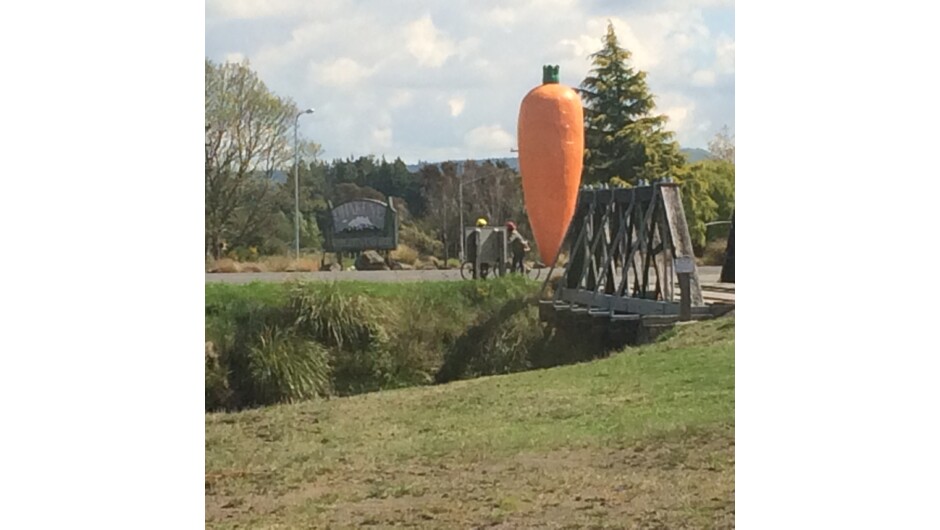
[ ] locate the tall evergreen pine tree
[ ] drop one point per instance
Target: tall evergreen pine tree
(623, 138)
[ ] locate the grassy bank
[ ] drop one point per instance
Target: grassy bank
(644, 438)
(274, 342)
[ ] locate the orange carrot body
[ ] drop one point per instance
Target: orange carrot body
(551, 156)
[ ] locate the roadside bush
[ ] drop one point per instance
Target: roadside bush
(283, 368)
(419, 240)
(344, 320)
(218, 393)
(252, 321)
(513, 340)
(244, 254)
(353, 327)
(405, 254)
(490, 293)
(268, 339)
(223, 265)
(304, 264)
(276, 263)
(502, 343)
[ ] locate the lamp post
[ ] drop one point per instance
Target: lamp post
(297, 184)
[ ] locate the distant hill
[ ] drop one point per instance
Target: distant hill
(694, 154)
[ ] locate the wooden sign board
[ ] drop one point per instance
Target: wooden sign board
(685, 265)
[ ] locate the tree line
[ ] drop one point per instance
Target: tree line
(250, 170)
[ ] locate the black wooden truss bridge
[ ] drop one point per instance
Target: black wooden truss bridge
(627, 249)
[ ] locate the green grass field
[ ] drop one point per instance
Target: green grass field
(643, 439)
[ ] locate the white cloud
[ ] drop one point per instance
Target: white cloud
(681, 111)
(724, 54)
(217, 10)
(468, 47)
(643, 46)
(234, 57)
(249, 9)
(501, 17)
(677, 117)
(489, 138)
(373, 67)
(427, 44)
(342, 72)
(400, 98)
(581, 46)
(381, 138)
(703, 78)
(457, 104)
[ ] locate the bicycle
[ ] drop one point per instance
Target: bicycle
(466, 270)
(531, 273)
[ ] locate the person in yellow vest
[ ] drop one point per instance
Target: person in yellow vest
(473, 240)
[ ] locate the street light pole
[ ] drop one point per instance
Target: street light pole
(297, 184)
(460, 208)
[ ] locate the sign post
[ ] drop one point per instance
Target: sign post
(685, 266)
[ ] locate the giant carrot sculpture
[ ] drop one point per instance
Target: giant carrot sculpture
(551, 155)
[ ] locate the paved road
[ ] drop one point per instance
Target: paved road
(706, 275)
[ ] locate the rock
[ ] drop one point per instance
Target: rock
(399, 266)
(333, 267)
(438, 264)
(370, 260)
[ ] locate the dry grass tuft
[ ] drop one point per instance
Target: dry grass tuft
(303, 265)
(224, 265)
(266, 264)
(405, 254)
(276, 263)
(252, 267)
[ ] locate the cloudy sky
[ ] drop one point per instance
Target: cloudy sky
(443, 80)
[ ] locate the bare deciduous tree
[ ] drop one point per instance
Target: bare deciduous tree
(248, 136)
(722, 145)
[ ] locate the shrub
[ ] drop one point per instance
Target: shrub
(303, 265)
(405, 254)
(283, 368)
(419, 240)
(374, 336)
(354, 328)
(218, 393)
(495, 290)
(276, 247)
(325, 313)
(276, 263)
(243, 254)
(513, 339)
(501, 344)
(224, 265)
